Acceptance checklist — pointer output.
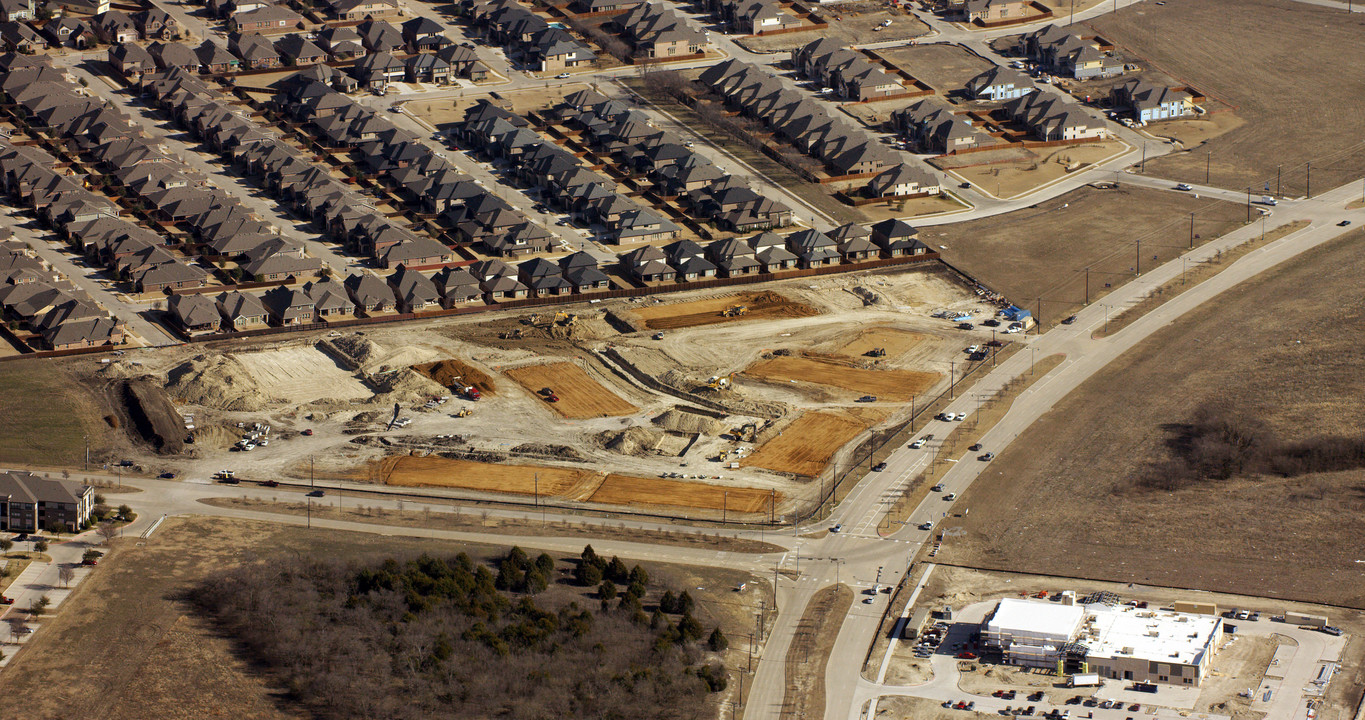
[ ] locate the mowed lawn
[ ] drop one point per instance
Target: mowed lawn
(1281, 348)
(45, 414)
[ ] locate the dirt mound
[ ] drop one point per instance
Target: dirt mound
(555, 452)
(361, 349)
(446, 371)
(154, 415)
(409, 384)
(216, 381)
(686, 422)
(637, 440)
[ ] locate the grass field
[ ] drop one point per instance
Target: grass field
(627, 490)
(1060, 499)
(45, 415)
(1044, 251)
(1290, 69)
(408, 471)
(762, 306)
(853, 27)
(806, 446)
(897, 385)
(579, 395)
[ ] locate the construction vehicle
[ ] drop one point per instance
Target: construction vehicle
(566, 319)
(876, 352)
(549, 395)
(720, 382)
(531, 319)
(735, 311)
(514, 334)
(463, 412)
(468, 392)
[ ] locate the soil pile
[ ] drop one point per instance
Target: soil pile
(637, 440)
(445, 372)
(361, 349)
(407, 384)
(686, 422)
(216, 381)
(154, 415)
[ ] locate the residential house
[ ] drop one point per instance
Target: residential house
(903, 181)
(22, 38)
(255, 50)
(268, 20)
(195, 314)
(427, 68)
(1146, 102)
(115, 27)
(1000, 83)
(415, 291)
(370, 293)
(69, 32)
(341, 43)
(457, 286)
(770, 250)
(174, 55)
(329, 298)
(213, 58)
(240, 310)
(991, 12)
(285, 306)
(813, 248)
(156, 24)
(422, 34)
(464, 62)
(377, 70)
(582, 272)
(935, 128)
(657, 31)
(543, 278)
(647, 264)
(1052, 118)
(896, 238)
(380, 36)
(16, 10)
(354, 10)
(131, 59)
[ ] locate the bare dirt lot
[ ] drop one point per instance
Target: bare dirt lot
(451, 371)
(892, 342)
(518, 479)
(1062, 500)
(892, 384)
(626, 490)
(806, 446)
(1044, 251)
(709, 311)
(944, 67)
(579, 395)
(1289, 68)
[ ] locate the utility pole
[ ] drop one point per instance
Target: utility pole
(310, 513)
(1087, 287)
(1208, 159)
(87, 453)
(1308, 180)
(951, 381)
(1138, 267)
(1191, 229)
(310, 471)
(1248, 203)
(1144, 158)
(1038, 316)
(1277, 181)
(725, 509)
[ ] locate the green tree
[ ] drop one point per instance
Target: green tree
(638, 575)
(545, 564)
(616, 570)
(657, 620)
(535, 581)
(6, 545)
(607, 590)
(689, 629)
(717, 642)
(39, 606)
(685, 603)
(636, 589)
(40, 546)
(668, 602)
(587, 574)
(518, 558)
(124, 512)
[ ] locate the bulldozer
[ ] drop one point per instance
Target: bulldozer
(531, 319)
(463, 412)
(876, 352)
(735, 311)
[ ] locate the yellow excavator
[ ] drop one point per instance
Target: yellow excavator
(735, 311)
(720, 382)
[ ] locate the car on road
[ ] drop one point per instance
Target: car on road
(950, 497)
(869, 601)
(270, 483)
(926, 526)
(562, 76)
(308, 432)
(917, 444)
(1069, 320)
(987, 457)
(1343, 223)
(1184, 186)
(974, 447)
(6, 600)
(867, 399)
(167, 476)
(971, 349)
(937, 488)
(317, 493)
(396, 108)
(879, 467)
(966, 655)
(229, 481)
(837, 527)
(1332, 630)
(959, 417)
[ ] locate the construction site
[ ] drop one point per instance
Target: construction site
(703, 404)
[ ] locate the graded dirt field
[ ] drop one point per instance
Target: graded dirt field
(897, 385)
(766, 305)
(942, 66)
(894, 341)
(1044, 251)
(806, 445)
(447, 372)
(47, 414)
(1290, 69)
(627, 490)
(851, 22)
(409, 471)
(579, 395)
(303, 374)
(1061, 500)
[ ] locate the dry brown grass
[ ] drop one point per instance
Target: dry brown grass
(1044, 251)
(897, 385)
(810, 650)
(627, 490)
(579, 395)
(807, 445)
(765, 305)
(1061, 501)
(1280, 63)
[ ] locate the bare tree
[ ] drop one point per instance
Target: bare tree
(17, 629)
(65, 574)
(108, 531)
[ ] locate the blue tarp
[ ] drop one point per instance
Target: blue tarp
(1014, 313)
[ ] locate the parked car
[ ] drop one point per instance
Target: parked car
(971, 349)
(229, 481)
(317, 493)
(308, 432)
(270, 483)
(867, 398)
(1332, 630)
(965, 326)
(562, 76)
(991, 323)
(869, 601)
(167, 476)
(837, 527)
(6, 600)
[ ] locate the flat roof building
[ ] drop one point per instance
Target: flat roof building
(1113, 641)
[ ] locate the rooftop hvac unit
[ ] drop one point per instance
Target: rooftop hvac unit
(1127, 651)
